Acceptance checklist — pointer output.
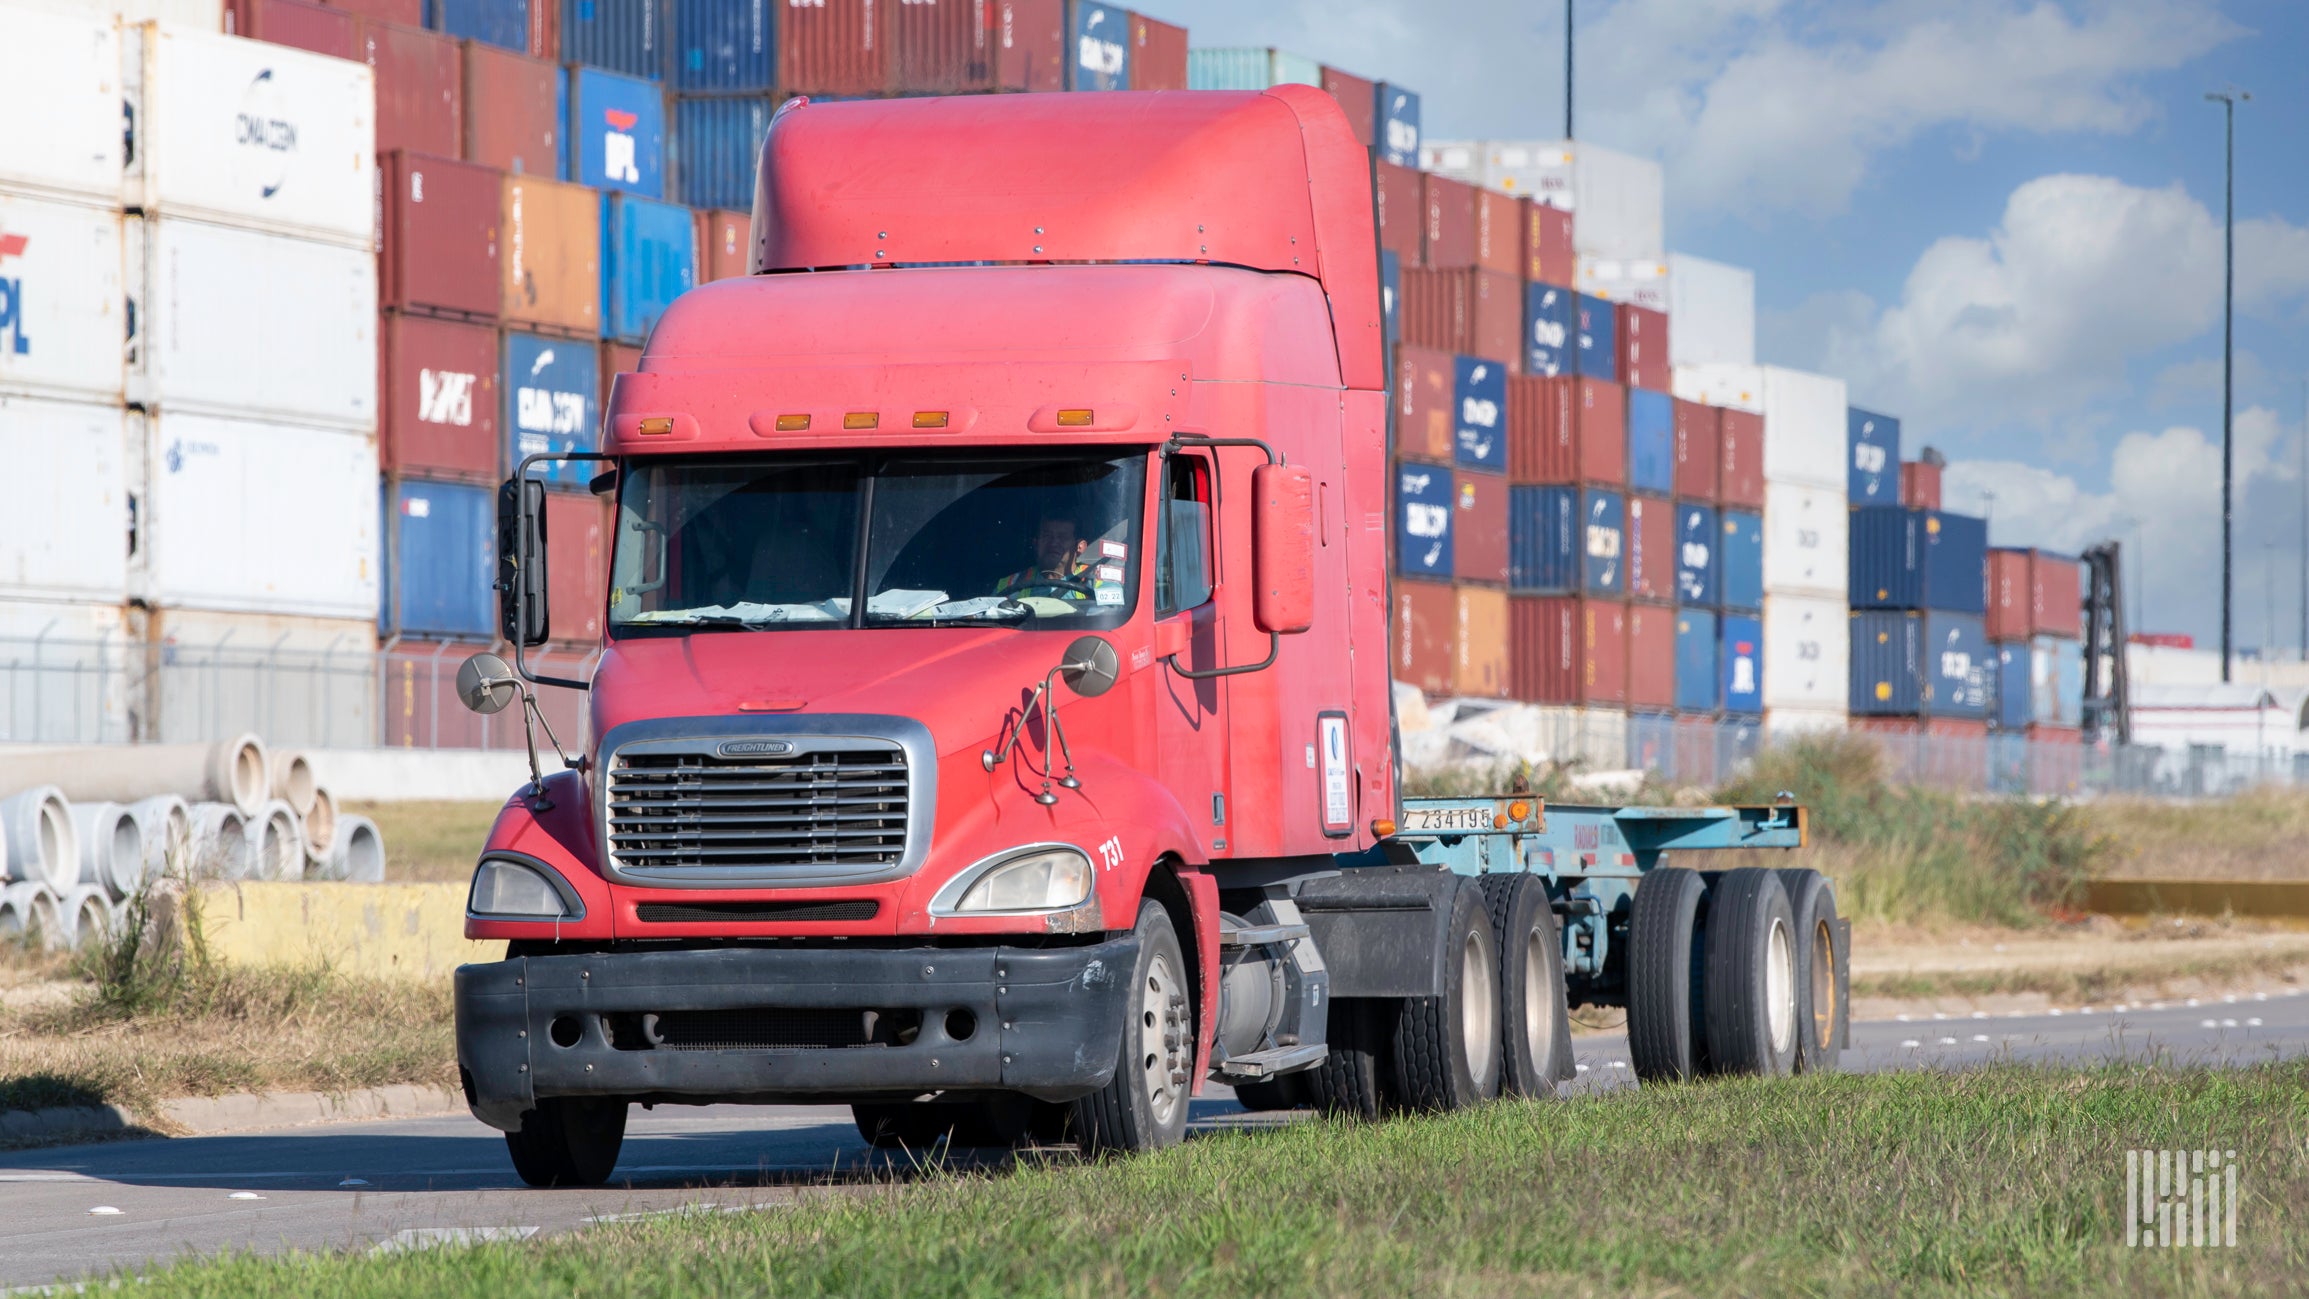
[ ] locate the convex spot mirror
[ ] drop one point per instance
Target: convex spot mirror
(1283, 548)
(1090, 666)
(486, 684)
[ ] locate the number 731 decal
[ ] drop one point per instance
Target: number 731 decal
(1110, 852)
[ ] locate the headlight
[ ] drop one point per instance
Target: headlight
(502, 887)
(1044, 879)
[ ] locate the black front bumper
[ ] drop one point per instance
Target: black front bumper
(1045, 1022)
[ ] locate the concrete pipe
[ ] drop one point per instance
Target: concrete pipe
(42, 847)
(357, 853)
(111, 847)
(85, 916)
(36, 919)
(320, 822)
(230, 771)
(167, 825)
(278, 842)
(220, 843)
(292, 781)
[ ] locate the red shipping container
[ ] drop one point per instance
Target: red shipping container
(723, 235)
(1651, 548)
(1566, 430)
(1432, 307)
(1920, 485)
(1402, 214)
(1425, 631)
(408, 13)
(1599, 411)
(840, 47)
(1030, 43)
(2010, 601)
(1642, 340)
(440, 236)
(1699, 451)
(945, 46)
(1468, 312)
(437, 381)
(333, 32)
(1651, 655)
(577, 564)
(1499, 234)
(1741, 483)
(1480, 668)
(616, 359)
(1495, 318)
(1359, 98)
(1567, 650)
(1547, 254)
(510, 122)
(420, 91)
(545, 30)
(1423, 404)
(1479, 528)
(2031, 593)
(2056, 585)
(1158, 54)
(1448, 210)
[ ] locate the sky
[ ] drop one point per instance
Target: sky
(1998, 220)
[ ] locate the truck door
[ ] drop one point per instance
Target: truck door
(1190, 715)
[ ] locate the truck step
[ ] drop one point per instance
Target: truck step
(1261, 935)
(1277, 1060)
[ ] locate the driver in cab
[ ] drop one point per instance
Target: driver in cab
(1060, 569)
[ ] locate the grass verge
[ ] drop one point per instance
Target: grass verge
(2003, 1180)
(427, 842)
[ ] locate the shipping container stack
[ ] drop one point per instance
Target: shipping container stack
(2033, 625)
(1921, 663)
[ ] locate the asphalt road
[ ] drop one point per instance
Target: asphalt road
(71, 1212)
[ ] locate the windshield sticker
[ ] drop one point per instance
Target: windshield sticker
(1109, 595)
(1109, 572)
(1113, 550)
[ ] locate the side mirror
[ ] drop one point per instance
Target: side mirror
(523, 616)
(486, 685)
(1282, 548)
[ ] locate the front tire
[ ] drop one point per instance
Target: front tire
(1447, 1048)
(568, 1141)
(1144, 1106)
(1535, 1020)
(1751, 974)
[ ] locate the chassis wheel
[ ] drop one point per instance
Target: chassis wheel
(568, 1141)
(1535, 1022)
(1357, 1079)
(1822, 988)
(1751, 974)
(1661, 967)
(1447, 1048)
(1144, 1106)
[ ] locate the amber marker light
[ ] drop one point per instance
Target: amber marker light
(793, 423)
(1499, 821)
(929, 419)
(1519, 811)
(861, 419)
(1075, 418)
(655, 426)
(1382, 828)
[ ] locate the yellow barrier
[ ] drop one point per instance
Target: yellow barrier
(406, 929)
(2265, 899)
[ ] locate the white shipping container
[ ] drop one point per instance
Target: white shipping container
(250, 133)
(64, 514)
(1714, 310)
(64, 672)
(1617, 200)
(241, 322)
(1789, 723)
(1804, 419)
(1637, 283)
(1807, 540)
(200, 15)
(295, 681)
(60, 95)
(1807, 652)
(242, 516)
(61, 301)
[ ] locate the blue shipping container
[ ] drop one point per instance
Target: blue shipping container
(1101, 47)
(493, 22)
(1543, 539)
(1547, 330)
(1873, 476)
(1390, 290)
(1958, 664)
(2056, 690)
(440, 561)
(717, 146)
(1740, 559)
(1741, 652)
(621, 35)
(617, 133)
(1933, 664)
(561, 115)
(1249, 68)
(1479, 414)
(1918, 559)
(1604, 516)
(551, 390)
(2012, 683)
(1697, 680)
(724, 45)
(648, 258)
(1696, 547)
(1423, 512)
(1397, 127)
(1652, 743)
(1598, 329)
(1651, 441)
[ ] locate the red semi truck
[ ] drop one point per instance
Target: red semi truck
(994, 731)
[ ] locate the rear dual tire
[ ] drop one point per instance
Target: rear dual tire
(1736, 972)
(1535, 1019)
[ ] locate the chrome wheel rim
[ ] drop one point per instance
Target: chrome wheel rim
(1478, 1014)
(1164, 1053)
(1780, 986)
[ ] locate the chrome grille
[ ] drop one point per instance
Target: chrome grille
(826, 808)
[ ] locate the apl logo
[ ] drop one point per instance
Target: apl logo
(1867, 457)
(1402, 136)
(445, 397)
(620, 155)
(1603, 544)
(1103, 57)
(265, 134)
(1743, 668)
(12, 295)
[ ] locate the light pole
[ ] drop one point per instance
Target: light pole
(2304, 643)
(1567, 69)
(2228, 101)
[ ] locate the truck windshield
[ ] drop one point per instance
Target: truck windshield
(980, 538)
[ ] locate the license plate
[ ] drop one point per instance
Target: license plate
(1446, 820)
